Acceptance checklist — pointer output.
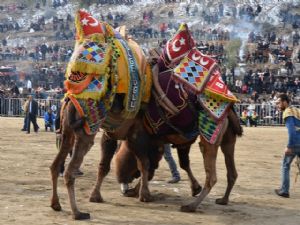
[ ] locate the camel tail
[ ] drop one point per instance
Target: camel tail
(234, 122)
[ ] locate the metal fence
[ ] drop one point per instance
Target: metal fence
(13, 107)
(268, 114)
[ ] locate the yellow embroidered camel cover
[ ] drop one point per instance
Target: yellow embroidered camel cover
(103, 65)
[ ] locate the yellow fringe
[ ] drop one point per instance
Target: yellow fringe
(109, 30)
(94, 95)
(78, 27)
(123, 70)
(217, 95)
(87, 68)
(87, 95)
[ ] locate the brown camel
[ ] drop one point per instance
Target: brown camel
(126, 167)
(74, 138)
(108, 73)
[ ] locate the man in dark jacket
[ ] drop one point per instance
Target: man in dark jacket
(32, 114)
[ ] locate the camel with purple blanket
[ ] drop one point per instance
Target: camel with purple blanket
(179, 110)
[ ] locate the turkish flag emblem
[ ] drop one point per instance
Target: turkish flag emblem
(89, 24)
(179, 46)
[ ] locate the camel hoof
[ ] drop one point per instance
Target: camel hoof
(187, 208)
(221, 201)
(196, 191)
(146, 198)
(130, 193)
(96, 199)
(81, 216)
(56, 206)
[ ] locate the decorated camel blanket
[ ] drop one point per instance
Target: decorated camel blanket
(197, 75)
(102, 66)
(162, 122)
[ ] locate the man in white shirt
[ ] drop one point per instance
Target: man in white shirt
(29, 86)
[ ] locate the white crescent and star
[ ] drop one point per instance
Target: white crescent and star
(197, 57)
(181, 42)
(87, 22)
(96, 23)
(84, 21)
(204, 63)
(174, 47)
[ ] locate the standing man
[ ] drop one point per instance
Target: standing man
(32, 114)
(29, 86)
(25, 109)
(291, 116)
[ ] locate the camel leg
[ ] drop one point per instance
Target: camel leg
(228, 151)
(83, 143)
(133, 192)
(143, 164)
(209, 157)
(144, 192)
(140, 144)
(108, 148)
(184, 161)
(65, 147)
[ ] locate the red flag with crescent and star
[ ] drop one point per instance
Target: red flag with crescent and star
(178, 47)
(216, 86)
(89, 24)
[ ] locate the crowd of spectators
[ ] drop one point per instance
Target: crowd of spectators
(42, 52)
(115, 2)
(266, 82)
(49, 57)
(13, 7)
(57, 3)
(6, 26)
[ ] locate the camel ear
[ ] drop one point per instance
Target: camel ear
(87, 26)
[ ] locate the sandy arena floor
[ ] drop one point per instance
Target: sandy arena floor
(25, 185)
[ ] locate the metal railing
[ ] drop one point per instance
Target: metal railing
(13, 107)
(267, 115)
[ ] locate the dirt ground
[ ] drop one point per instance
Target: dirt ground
(25, 185)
